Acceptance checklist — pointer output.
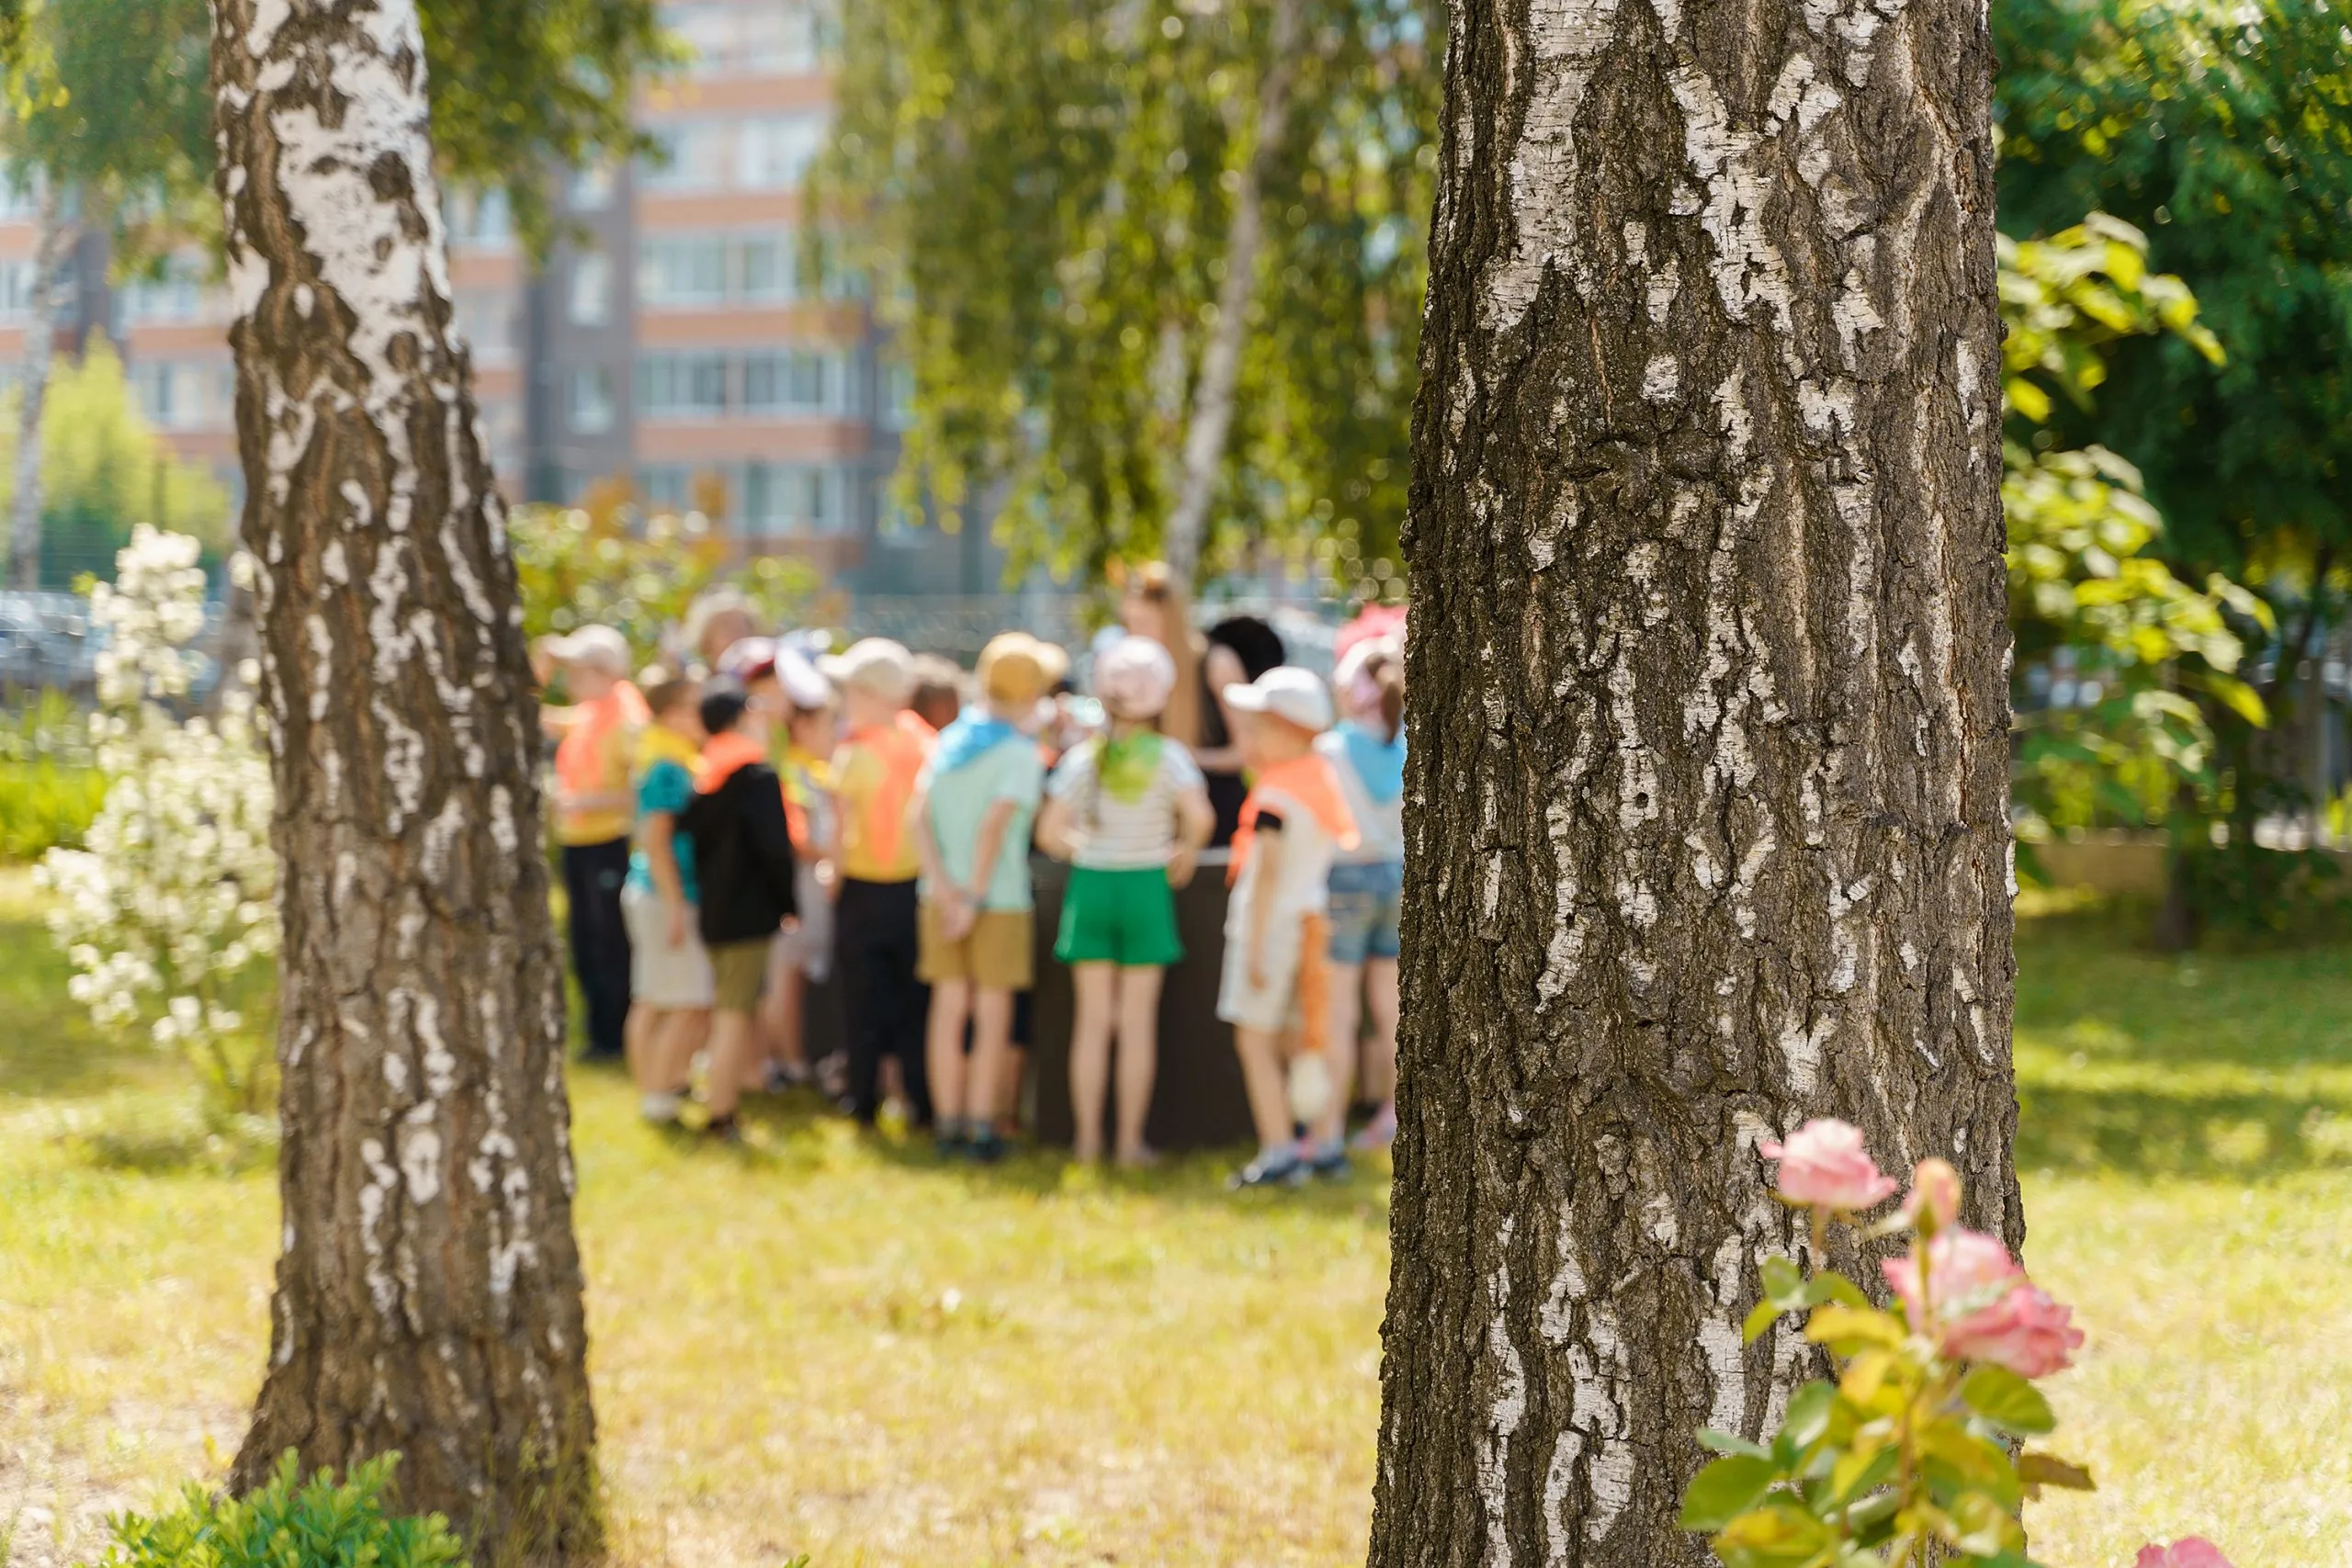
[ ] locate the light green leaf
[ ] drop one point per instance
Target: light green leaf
(1731, 1443)
(1724, 1490)
(2007, 1400)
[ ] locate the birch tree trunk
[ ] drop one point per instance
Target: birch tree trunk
(1708, 790)
(54, 237)
(429, 1288)
(1209, 423)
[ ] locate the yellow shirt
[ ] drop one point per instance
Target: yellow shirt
(594, 759)
(873, 849)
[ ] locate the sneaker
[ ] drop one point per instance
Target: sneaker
(1328, 1161)
(951, 1144)
(1275, 1168)
(723, 1130)
(783, 1077)
(1379, 1132)
(662, 1110)
(987, 1147)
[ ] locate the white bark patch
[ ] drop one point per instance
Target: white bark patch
(421, 1164)
(1506, 1411)
(1568, 38)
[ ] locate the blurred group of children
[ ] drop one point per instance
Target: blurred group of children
(772, 816)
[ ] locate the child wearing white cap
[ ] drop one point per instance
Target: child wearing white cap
(1275, 990)
(1131, 812)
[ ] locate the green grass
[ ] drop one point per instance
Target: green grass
(821, 1345)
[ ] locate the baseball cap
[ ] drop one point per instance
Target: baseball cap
(804, 688)
(1134, 677)
(600, 647)
(876, 666)
(1288, 693)
(1017, 667)
(748, 658)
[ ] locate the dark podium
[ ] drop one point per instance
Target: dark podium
(1198, 1102)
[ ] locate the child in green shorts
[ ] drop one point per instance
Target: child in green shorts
(1131, 812)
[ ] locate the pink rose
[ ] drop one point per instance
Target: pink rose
(1935, 1191)
(2025, 1331)
(2188, 1551)
(1981, 1307)
(1965, 1270)
(1824, 1164)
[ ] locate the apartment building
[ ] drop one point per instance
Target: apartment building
(671, 342)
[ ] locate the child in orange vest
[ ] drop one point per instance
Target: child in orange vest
(874, 912)
(1275, 989)
(593, 810)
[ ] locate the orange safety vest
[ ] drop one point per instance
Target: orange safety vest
(1309, 779)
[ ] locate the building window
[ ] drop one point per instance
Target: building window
(900, 527)
(773, 153)
(794, 381)
(183, 395)
(592, 407)
(174, 293)
(763, 268)
(591, 301)
(666, 487)
(590, 189)
(682, 386)
(485, 319)
(693, 157)
(480, 218)
(681, 271)
(785, 497)
(783, 39)
(898, 396)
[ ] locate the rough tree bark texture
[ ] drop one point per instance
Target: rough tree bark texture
(1210, 423)
(429, 1288)
(1708, 792)
(52, 239)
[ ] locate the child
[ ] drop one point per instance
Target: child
(803, 956)
(744, 862)
(874, 922)
(1131, 813)
(1292, 823)
(972, 821)
(670, 978)
(1366, 749)
(593, 806)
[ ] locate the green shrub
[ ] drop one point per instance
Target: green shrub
(45, 806)
(50, 784)
(290, 1523)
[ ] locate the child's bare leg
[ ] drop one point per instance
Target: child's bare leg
(732, 1046)
(951, 1002)
(1090, 1055)
(1138, 1056)
(1261, 1051)
(991, 1054)
(1346, 1011)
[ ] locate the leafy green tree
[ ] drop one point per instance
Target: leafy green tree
(112, 127)
(103, 469)
(2084, 577)
(1155, 270)
(2225, 133)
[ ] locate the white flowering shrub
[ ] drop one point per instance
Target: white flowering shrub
(166, 914)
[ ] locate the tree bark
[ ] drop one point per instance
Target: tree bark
(1209, 424)
(428, 1290)
(1708, 785)
(54, 237)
